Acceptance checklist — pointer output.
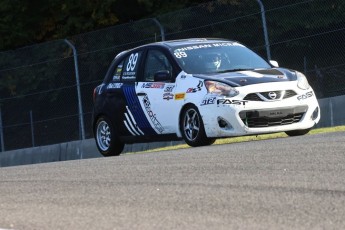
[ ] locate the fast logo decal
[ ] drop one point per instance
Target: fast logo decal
(305, 96)
(152, 116)
(226, 101)
(153, 85)
(180, 96)
(131, 124)
(136, 111)
(198, 88)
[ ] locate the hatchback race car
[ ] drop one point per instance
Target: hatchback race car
(198, 90)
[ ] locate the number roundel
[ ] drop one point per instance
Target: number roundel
(132, 62)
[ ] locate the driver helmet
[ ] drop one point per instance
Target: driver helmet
(214, 61)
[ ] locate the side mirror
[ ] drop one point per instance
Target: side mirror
(274, 63)
(162, 75)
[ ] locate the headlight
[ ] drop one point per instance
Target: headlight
(302, 81)
(220, 89)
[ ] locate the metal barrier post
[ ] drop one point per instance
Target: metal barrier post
(32, 129)
(160, 27)
(1, 134)
(81, 119)
(264, 25)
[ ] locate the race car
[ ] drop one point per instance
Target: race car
(198, 90)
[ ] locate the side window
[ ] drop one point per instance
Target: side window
(130, 66)
(118, 71)
(155, 61)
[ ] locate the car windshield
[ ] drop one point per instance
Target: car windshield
(217, 57)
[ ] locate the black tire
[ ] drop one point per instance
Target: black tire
(106, 139)
(192, 128)
(297, 132)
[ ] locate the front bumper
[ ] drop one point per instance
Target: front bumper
(236, 117)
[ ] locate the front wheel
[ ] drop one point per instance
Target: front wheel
(106, 139)
(297, 132)
(192, 128)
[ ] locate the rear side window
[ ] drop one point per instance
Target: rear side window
(118, 71)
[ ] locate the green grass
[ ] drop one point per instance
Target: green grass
(250, 138)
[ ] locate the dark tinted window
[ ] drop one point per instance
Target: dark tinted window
(155, 61)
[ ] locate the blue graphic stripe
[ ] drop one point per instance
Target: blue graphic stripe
(137, 112)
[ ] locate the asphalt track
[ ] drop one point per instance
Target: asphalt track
(287, 183)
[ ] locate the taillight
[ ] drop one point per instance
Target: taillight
(94, 94)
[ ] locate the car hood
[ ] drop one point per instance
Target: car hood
(249, 77)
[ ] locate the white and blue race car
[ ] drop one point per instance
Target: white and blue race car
(198, 90)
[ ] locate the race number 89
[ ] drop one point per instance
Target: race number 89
(180, 54)
(132, 62)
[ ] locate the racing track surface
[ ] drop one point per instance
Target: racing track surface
(288, 183)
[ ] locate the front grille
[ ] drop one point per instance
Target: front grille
(277, 93)
(252, 121)
(264, 96)
(289, 93)
(252, 97)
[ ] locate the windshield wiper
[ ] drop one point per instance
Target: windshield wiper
(233, 70)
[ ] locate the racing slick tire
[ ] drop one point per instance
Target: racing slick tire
(106, 139)
(192, 128)
(297, 132)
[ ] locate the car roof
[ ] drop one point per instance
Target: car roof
(180, 42)
(192, 41)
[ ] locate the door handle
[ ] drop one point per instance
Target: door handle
(141, 94)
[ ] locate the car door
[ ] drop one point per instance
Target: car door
(157, 97)
(122, 103)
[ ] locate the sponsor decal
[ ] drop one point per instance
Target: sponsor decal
(114, 85)
(180, 52)
(227, 44)
(208, 101)
(153, 85)
(180, 96)
(226, 101)
(152, 116)
(198, 88)
(305, 96)
(169, 88)
(168, 96)
(131, 124)
(116, 78)
(128, 75)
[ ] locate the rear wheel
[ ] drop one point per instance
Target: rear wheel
(192, 128)
(297, 132)
(106, 139)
